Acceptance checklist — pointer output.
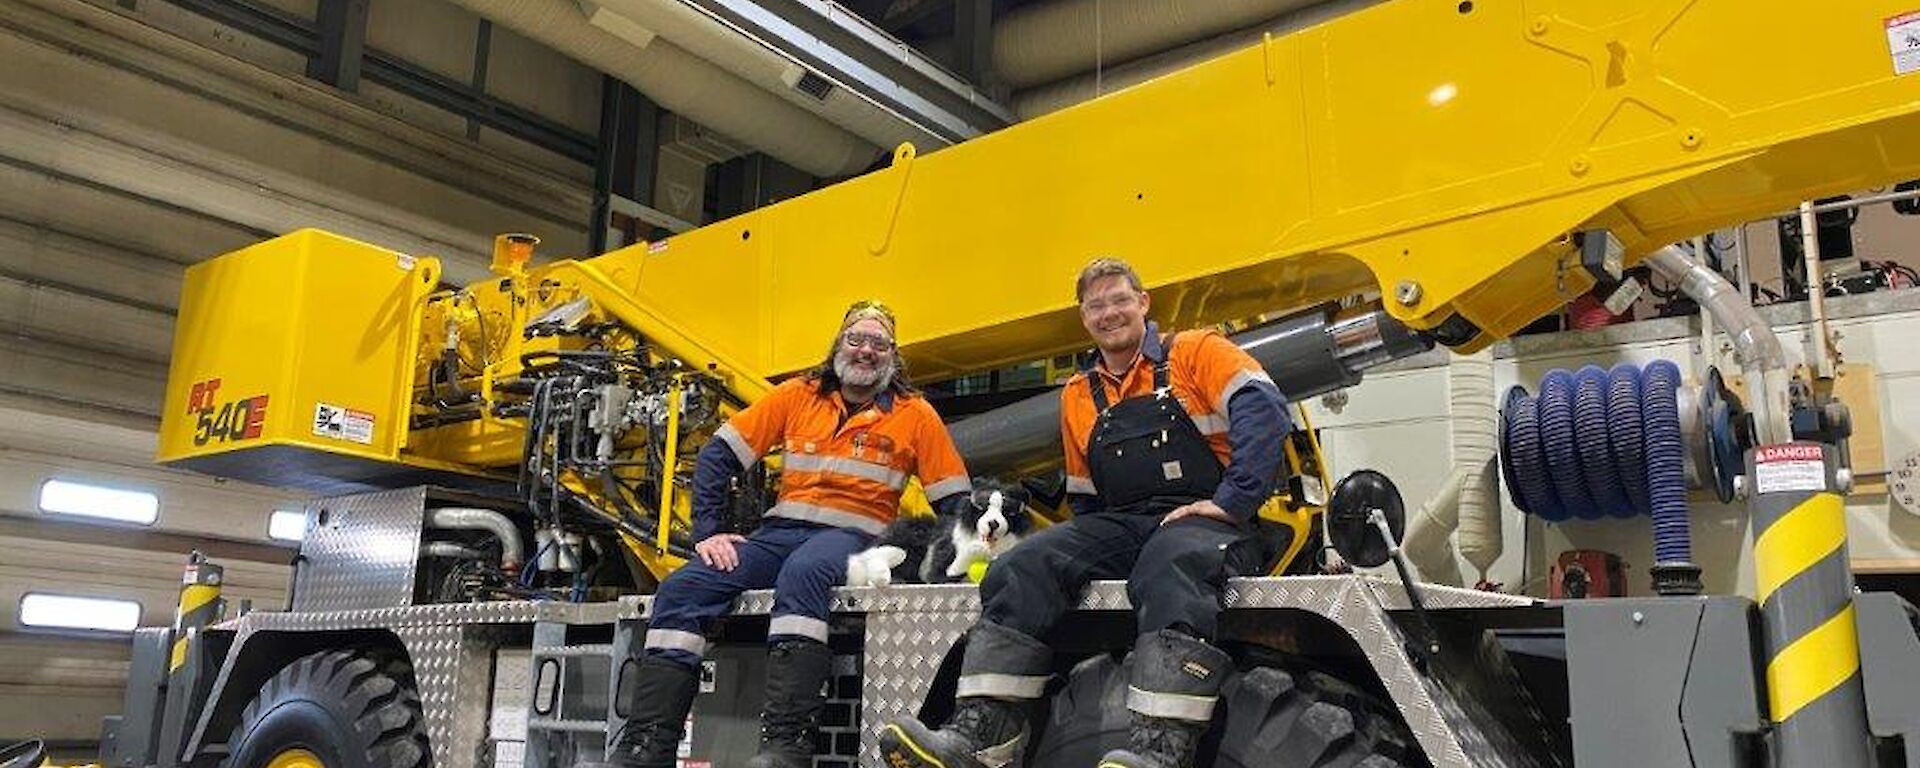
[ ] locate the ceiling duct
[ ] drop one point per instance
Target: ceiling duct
(701, 35)
(686, 84)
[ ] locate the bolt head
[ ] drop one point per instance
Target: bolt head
(1407, 293)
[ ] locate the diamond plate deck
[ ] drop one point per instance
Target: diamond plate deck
(908, 631)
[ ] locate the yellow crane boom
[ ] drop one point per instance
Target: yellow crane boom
(1440, 154)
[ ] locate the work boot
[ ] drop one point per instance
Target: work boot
(982, 733)
(662, 694)
(1156, 742)
(1002, 670)
(796, 671)
(1174, 685)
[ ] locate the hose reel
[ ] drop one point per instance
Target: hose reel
(1624, 443)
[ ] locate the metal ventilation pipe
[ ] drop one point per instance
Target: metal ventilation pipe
(1755, 345)
(449, 549)
(513, 551)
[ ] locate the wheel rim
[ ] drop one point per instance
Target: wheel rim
(296, 758)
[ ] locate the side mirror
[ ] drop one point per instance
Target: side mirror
(26, 754)
(1350, 518)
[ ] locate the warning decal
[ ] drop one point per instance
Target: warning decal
(1903, 40)
(1779, 468)
(343, 423)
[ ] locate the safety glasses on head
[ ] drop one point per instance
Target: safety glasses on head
(868, 308)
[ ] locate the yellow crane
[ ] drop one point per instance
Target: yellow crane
(1452, 170)
(1439, 156)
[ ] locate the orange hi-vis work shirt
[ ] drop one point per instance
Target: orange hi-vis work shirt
(846, 470)
(1204, 370)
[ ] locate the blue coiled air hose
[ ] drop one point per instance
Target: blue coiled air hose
(1604, 443)
(1626, 436)
(1666, 463)
(1557, 442)
(1530, 483)
(1591, 437)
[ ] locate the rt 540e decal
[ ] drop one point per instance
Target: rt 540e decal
(216, 421)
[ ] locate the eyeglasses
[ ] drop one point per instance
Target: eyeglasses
(872, 341)
(1097, 305)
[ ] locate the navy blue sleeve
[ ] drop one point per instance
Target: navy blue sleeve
(1083, 504)
(713, 474)
(1257, 423)
(952, 505)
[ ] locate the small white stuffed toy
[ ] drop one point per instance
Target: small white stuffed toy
(874, 567)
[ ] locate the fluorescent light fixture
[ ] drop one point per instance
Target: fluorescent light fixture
(66, 612)
(287, 524)
(70, 498)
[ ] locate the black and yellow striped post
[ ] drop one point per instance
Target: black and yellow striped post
(1805, 589)
(200, 605)
(188, 671)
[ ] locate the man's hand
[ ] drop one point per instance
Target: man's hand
(1202, 508)
(717, 551)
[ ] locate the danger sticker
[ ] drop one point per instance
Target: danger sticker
(1795, 467)
(1769, 454)
(1903, 40)
(343, 423)
(1790, 476)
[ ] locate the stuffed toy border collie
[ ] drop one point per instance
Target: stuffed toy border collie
(931, 551)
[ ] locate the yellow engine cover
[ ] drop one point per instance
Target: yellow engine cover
(293, 361)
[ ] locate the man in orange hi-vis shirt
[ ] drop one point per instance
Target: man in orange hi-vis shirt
(852, 431)
(1172, 445)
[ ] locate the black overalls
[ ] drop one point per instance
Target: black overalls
(1147, 458)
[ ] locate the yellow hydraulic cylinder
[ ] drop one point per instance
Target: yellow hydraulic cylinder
(669, 463)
